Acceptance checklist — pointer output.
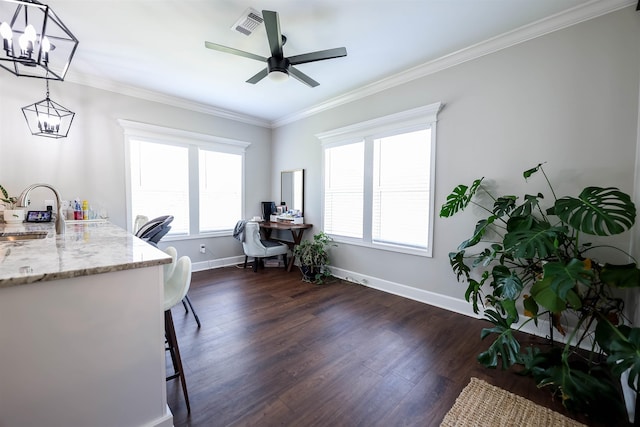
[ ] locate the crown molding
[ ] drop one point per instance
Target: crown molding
(559, 21)
(136, 92)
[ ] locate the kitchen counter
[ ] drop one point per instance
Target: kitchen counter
(85, 249)
(82, 328)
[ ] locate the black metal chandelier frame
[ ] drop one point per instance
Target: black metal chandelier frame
(48, 118)
(35, 42)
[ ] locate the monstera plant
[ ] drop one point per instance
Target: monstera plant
(524, 263)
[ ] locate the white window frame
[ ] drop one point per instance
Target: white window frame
(194, 141)
(424, 117)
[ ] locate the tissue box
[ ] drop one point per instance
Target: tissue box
(298, 220)
(273, 218)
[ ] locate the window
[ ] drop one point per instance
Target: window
(196, 178)
(220, 190)
(154, 192)
(378, 181)
(344, 189)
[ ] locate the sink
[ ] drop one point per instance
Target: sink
(12, 237)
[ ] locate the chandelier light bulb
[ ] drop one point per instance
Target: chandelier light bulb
(30, 32)
(48, 123)
(46, 45)
(5, 31)
(7, 35)
(23, 41)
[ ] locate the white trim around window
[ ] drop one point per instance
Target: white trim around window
(365, 231)
(195, 143)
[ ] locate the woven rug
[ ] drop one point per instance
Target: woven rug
(482, 404)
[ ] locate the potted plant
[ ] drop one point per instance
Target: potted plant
(11, 214)
(314, 258)
(539, 259)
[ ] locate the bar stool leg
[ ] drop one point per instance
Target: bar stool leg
(173, 348)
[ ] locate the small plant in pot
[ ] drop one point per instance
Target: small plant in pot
(314, 258)
(525, 258)
(11, 214)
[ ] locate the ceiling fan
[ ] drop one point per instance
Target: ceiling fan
(279, 66)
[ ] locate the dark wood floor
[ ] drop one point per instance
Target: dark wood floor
(275, 351)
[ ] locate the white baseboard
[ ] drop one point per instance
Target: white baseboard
(165, 421)
(217, 263)
(427, 297)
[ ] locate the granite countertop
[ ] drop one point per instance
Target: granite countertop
(86, 248)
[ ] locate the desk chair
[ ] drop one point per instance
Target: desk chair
(152, 232)
(258, 249)
(175, 289)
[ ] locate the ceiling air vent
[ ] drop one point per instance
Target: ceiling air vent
(248, 22)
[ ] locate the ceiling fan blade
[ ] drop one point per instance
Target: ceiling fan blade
(233, 51)
(261, 75)
(299, 75)
(272, 25)
(318, 56)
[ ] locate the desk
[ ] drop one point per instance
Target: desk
(296, 232)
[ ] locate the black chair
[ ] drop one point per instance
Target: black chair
(152, 232)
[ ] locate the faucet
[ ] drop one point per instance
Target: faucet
(23, 201)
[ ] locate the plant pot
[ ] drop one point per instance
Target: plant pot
(13, 216)
(309, 272)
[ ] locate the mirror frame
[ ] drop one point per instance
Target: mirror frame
(290, 202)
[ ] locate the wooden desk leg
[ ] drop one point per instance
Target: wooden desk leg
(297, 238)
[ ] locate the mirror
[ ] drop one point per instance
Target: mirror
(292, 189)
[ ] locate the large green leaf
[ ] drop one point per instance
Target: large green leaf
(622, 344)
(544, 294)
(584, 390)
(621, 276)
(598, 211)
(531, 308)
(459, 198)
(456, 259)
(505, 346)
(565, 276)
(506, 282)
(529, 204)
(504, 205)
(474, 291)
(487, 256)
(527, 174)
(530, 238)
(481, 228)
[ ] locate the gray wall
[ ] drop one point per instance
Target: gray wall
(90, 163)
(569, 98)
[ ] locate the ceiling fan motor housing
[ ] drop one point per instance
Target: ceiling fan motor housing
(278, 67)
(278, 64)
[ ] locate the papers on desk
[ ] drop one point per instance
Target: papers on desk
(289, 219)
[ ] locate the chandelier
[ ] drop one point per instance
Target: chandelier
(48, 118)
(35, 42)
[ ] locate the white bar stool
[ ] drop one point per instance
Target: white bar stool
(176, 286)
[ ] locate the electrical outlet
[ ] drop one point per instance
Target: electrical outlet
(202, 249)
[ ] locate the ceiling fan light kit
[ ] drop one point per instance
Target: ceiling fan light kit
(278, 76)
(279, 67)
(35, 42)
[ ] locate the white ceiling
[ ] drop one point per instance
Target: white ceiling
(155, 48)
